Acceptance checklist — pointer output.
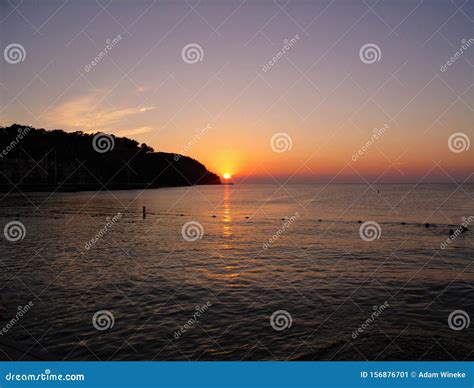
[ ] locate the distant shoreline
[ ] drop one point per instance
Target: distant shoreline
(75, 188)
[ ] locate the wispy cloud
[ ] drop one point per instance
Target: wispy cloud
(134, 131)
(83, 113)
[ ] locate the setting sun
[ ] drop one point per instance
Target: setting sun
(226, 175)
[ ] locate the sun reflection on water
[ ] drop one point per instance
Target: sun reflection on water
(227, 217)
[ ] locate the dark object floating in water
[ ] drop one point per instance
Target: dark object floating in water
(319, 220)
(464, 228)
(451, 232)
(427, 225)
(404, 223)
(181, 215)
(213, 216)
(359, 222)
(246, 217)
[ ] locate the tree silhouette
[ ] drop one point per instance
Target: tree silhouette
(38, 159)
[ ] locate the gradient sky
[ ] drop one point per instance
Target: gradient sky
(319, 92)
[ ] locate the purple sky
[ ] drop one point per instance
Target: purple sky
(318, 98)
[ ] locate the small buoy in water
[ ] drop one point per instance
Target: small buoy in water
(404, 223)
(181, 215)
(359, 222)
(451, 232)
(427, 225)
(319, 220)
(213, 216)
(246, 217)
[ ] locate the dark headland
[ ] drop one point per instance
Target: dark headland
(40, 160)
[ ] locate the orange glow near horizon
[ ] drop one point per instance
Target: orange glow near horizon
(321, 114)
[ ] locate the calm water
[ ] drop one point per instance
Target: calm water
(318, 269)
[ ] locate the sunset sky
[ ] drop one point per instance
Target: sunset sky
(224, 109)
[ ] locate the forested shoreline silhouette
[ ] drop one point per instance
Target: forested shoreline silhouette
(34, 159)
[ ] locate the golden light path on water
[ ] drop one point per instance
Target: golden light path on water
(227, 231)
